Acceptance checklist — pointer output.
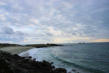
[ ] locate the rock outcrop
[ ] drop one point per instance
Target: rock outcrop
(16, 64)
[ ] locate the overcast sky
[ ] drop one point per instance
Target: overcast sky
(54, 21)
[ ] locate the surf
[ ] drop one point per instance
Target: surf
(77, 65)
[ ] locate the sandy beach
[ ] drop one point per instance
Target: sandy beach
(15, 49)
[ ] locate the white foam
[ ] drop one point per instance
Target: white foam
(43, 54)
(38, 53)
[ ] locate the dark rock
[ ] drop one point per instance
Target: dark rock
(74, 70)
(16, 64)
(60, 70)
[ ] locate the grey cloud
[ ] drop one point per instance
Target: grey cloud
(6, 30)
(8, 34)
(62, 15)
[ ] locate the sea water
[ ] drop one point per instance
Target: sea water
(83, 57)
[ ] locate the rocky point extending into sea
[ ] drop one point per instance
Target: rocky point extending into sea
(16, 64)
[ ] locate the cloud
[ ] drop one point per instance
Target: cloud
(101, 40)
(2, 3)
(2, 17)
(54, 32)
(7, 34)
(70, 39)
(35, 21)
(39, 21)
(6, 30)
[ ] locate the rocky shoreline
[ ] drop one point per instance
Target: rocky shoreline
(15, 64)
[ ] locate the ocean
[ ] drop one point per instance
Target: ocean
(81, 58)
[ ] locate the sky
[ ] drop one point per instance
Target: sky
(54, 21)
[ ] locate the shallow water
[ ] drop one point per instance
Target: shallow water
(85, 58)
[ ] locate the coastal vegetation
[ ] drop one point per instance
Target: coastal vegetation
(29, 45)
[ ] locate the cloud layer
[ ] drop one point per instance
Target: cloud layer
(53, 21)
